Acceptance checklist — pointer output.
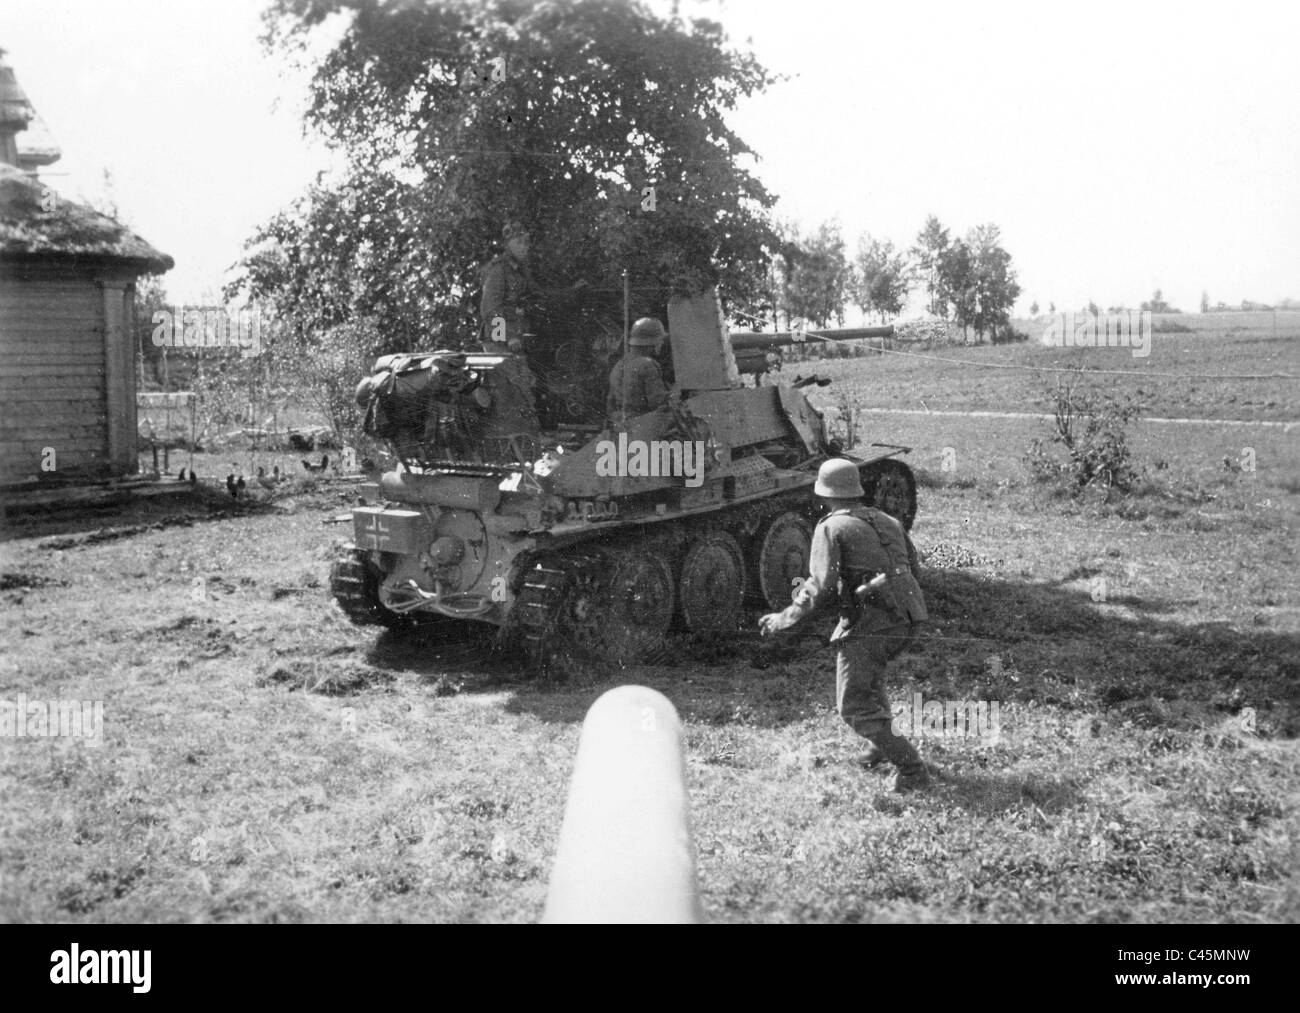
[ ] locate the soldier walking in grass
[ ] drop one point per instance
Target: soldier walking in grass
(863, 560)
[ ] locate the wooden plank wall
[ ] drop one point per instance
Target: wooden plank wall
(52, 390)
(119, 377)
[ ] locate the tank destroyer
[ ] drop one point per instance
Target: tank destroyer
(589, 533)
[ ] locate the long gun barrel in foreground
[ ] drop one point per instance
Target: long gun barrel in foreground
(625, 852)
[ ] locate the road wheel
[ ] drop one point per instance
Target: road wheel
(713, 583)
(780, 558)
(620, 608)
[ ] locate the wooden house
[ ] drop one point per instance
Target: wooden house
(67, 277)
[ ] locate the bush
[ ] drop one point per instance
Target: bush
(847, 404)
(327, 369)
(927, 332)
(298, 373)
(1092, 427)
(1006, 334)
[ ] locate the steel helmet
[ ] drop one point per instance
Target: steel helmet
(839, 479)
(646, 332)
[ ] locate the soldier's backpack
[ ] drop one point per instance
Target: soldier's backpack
(901, 594)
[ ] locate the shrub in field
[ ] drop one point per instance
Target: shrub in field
(1093, 430)
(929, 332)
(235, 392)
(325, 371)
(299, 372)
(846, 404)
(1006, 334)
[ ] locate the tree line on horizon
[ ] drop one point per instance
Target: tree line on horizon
(968, 280)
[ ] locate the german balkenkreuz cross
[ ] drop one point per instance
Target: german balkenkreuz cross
(377, 531)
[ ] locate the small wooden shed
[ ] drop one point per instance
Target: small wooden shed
(67, 277)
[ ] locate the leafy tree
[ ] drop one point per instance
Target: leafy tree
(994, 282)
(928, 253)
(880, 278)
(1205, 301)
(1093, 308)
(1033, 308)
(957, 285)
(779, 268)
(598, 125)
(816, 275)
(1157, 304)
(150, 297)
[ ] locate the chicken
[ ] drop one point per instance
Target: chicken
(235, 486)
(317, 468)
(265, 480)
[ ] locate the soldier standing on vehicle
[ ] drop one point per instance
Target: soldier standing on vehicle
(507, 285)
(636, 385)
(866, 558)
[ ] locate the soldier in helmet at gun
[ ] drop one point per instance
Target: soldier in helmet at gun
(636, 384)
(863, 560)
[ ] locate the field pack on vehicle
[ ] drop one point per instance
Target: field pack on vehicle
(582, 533)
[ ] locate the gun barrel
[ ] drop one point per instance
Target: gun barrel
(778, 339)
(752, 360)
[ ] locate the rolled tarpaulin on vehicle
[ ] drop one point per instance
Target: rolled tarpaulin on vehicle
(625, 852)
(456, 492)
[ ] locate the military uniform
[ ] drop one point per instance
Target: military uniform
(507, 283)
(640, 377)
(849, 547)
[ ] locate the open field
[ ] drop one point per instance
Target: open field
(266, 761)
(1007, 377)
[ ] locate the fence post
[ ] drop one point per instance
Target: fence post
(625, 852)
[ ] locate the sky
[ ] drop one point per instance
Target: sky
(1120, 147)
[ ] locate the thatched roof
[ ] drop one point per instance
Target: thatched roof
(15, 109)
(38, 224)
(37, 145)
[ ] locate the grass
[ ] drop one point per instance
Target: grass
(266, 761)
(1004, 378)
